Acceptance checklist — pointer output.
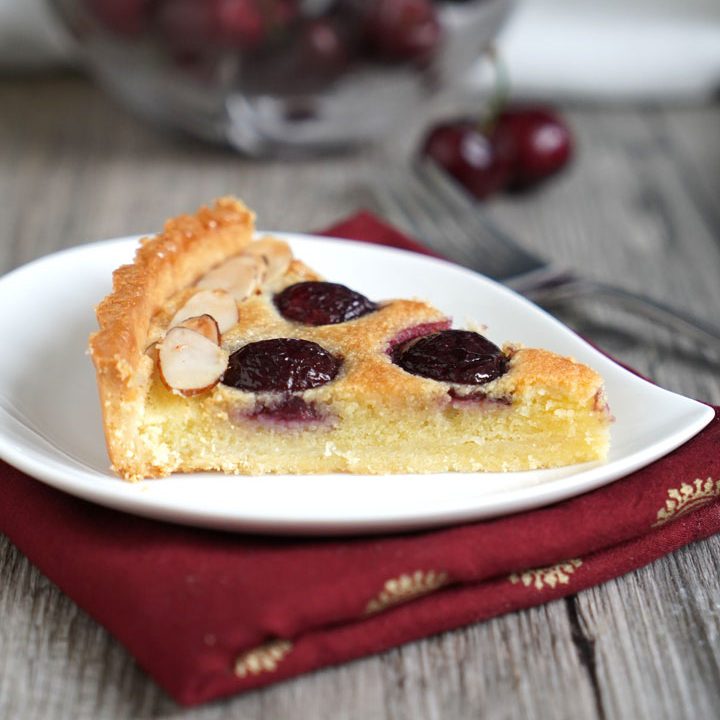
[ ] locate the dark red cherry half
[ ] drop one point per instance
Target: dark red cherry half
(281, 365)
(322, 303)
(458, 356)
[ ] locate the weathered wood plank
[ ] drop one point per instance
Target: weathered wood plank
(655, 635)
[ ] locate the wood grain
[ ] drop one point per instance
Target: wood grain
(638, 207)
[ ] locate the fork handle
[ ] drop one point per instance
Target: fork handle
(569, 288)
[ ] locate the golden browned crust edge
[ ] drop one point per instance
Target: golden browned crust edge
(532, 368)
(188, 246)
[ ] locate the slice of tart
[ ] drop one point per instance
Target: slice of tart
(220, 351)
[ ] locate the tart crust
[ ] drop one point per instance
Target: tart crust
(163, 266)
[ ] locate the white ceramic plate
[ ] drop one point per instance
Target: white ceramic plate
(50, 424)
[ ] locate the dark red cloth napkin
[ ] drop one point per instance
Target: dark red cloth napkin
(209, 614)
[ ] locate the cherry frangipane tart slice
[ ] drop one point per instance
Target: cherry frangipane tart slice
(217, 351)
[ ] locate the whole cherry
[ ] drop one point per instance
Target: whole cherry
(325, 43)
(239, 23)
(323, 49)
(123, 17)
(480, 161)
(518, 149)
(187, 26)
(403, 30)
(205, 25)
(542, 143)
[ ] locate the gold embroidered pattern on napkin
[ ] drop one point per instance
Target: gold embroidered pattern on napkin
(265, 658)
(547, 576)
(406, 587)
(686, 498)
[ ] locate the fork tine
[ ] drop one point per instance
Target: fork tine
(392, 205)
(427, 216)
(501, 256)
(430, 206)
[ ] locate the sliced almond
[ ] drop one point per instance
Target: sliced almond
(189, 363)
(219, 304)
(276, 253)
(204, 324)
(240, 276)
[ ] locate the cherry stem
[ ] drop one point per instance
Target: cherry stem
(501, 90)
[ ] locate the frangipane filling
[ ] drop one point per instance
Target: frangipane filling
(278, 371)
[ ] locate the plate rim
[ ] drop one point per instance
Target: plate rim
(494, 505)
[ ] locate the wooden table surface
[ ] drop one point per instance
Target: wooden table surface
(638, 208)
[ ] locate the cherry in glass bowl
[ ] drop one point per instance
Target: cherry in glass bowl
(268, 76)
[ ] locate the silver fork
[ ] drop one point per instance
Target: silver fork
(430, 205)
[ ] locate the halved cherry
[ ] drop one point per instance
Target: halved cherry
(458, 356)
(322, 303)
(281, 365)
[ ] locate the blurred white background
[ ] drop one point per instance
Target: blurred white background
(589, 50)
(614, 50)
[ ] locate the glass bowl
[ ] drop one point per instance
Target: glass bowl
(271, 76)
